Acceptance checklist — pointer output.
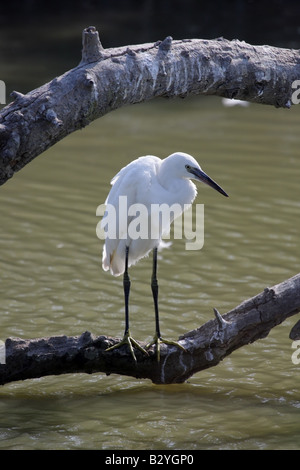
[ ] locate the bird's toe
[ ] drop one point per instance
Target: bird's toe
(131, 343)
(157, 340)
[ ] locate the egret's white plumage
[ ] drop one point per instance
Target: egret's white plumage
(147, 181)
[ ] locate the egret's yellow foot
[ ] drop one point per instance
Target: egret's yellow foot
(127, 339)
(157, 340)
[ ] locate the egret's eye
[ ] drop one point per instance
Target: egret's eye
(188, 167)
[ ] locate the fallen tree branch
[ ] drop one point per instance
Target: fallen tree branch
(205, 346)
(107, 79)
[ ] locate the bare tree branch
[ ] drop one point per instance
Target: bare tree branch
(205, 346)
(107, 79)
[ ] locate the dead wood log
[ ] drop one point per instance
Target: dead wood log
(205, 347)
(107, 79)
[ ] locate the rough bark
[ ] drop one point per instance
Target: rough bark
(107, 79)
(205, 346)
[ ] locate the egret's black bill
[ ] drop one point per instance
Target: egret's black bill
(207, 180)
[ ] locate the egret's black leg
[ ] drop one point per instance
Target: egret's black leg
(126, 286)
(154, 287)
(127, 339)
(157, 336)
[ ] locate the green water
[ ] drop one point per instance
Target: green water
(52, 282)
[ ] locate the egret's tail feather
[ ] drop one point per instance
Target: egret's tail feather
(113, 262)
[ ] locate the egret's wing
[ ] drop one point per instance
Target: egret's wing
(131, 183)
(132, 174)
(116, 233)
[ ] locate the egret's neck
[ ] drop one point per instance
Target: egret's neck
(183, 189)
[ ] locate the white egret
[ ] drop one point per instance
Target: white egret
(148, 181)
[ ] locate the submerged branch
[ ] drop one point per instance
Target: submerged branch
(107, 79)
(205, 346)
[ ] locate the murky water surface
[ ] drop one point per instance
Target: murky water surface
(52, 282)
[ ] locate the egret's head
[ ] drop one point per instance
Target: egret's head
(189, 168)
